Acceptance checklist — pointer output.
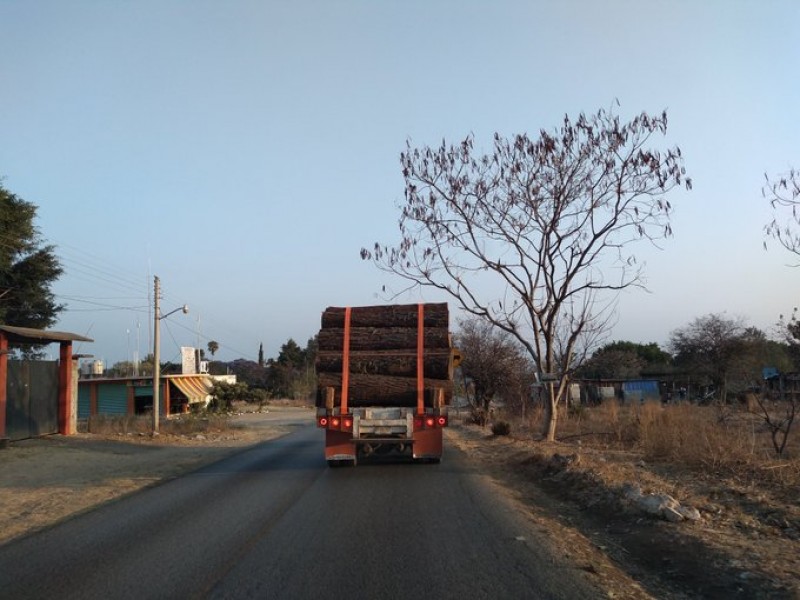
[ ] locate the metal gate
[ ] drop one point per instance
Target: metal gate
(32, 402)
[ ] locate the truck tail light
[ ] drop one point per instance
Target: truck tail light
(336, 423)
(430, 422)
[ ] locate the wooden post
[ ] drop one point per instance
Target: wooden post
(167, 399)
(330, 397)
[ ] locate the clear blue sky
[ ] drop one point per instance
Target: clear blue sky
(244, 151)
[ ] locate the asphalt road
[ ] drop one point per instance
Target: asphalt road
(276, 522)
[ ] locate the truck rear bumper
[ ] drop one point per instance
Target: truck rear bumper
(341, 445)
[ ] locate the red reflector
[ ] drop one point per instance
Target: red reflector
(417, 423)
(430, 422)
(335, 422)
(348, 423)
(323, 421)
(442, 421)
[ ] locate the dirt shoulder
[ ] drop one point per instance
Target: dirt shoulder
(745, 544)
(45, 480)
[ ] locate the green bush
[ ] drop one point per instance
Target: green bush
(224, 394)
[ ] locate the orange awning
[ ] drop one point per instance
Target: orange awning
(196, 388)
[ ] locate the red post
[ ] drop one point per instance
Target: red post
(3, 383)
(131, 399)
(420, 359)
(65, 388)
(346, 361)
(92, 398)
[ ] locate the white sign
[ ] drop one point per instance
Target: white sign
(188, 361)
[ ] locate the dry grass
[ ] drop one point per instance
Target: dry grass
(699, 439)
(717, 460)
(181, 425)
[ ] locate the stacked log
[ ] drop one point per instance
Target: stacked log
(383, 355)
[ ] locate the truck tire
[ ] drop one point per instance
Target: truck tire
(428, 460)
(334, 463)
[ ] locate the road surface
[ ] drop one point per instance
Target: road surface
(275, 522)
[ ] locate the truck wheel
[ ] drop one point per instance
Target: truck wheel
(332, 463)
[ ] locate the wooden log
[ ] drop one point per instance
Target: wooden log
(437, 364)
(393, 315)
(381, 390)
(382, 338)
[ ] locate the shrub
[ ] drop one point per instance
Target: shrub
(224, 394)
(501, 428)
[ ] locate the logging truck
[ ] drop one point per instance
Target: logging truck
(384, 381)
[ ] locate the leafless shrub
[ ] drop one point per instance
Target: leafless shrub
(778, 417)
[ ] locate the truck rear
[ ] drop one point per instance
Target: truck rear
(384, 381)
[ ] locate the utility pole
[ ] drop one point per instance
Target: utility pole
(156, 354)
(157, 316)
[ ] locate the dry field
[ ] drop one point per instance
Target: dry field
(718, 460)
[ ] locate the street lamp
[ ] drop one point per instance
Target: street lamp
(157, 316)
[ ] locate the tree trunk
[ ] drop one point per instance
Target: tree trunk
(382, 390)
(437, 364)
(382, 338)
(550, 415)
(398, 315)
(551, 421)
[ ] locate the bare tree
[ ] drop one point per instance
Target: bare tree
(783, 193)
(535, 235)
(721, 351)
(491, 365)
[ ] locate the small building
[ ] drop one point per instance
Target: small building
(627, 391)
(134, 395)
(641, 391)
(37, 397)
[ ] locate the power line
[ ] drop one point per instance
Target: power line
(80, 265)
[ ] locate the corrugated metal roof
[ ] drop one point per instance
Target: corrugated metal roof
(196, 388)
(30, 335)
